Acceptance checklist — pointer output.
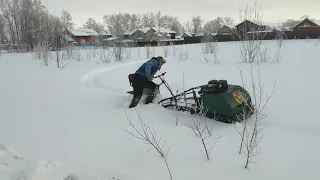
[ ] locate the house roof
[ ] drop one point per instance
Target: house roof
(83, 32)
(146, 29)
(316, 22)
(247, 21)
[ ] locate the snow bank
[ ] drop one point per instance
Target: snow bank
(15, 167)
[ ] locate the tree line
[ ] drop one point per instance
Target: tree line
(28, 23)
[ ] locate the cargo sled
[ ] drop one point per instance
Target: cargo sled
(216, 100)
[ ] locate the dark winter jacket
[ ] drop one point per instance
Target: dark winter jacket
(149, 68)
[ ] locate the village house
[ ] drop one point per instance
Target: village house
(148, 34)
(306, 25)
(84, 35)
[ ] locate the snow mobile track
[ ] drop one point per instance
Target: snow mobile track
(93, 78)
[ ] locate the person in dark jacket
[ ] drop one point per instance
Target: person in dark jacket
(142, 78)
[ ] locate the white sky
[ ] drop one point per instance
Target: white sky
(272, 10)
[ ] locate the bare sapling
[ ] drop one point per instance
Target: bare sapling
(251, 133)
(202, 130)
(148, 135)
(182, 55)
(251, 34)
(127, 52)
(279, 42)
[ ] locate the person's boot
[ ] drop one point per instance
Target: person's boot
(134, 102)
(150, 97)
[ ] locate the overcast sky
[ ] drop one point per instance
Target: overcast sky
(272, 10)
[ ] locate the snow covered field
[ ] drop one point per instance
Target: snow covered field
(59, 122)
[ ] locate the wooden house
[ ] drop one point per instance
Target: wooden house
(149, 34)
(84, 35)
(306, 25)
(248, 26)
(226, 30)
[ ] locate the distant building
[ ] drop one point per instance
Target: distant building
(150, 34)
(84, 35)
(306, 25)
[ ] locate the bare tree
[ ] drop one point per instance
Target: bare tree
(288, 24)
(93, 24)
(55, 33)
(214, 25)
(66, 19)
(188, 27)
(251, 134)
(115, 24)
(251, 35)
(148, 20)
(149, 136)
(197, 24)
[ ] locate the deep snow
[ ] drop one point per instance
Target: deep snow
(71, 121)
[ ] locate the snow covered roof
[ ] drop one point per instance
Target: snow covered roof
(83, 32)
(68, 38)
(188, 34)
(315, 21)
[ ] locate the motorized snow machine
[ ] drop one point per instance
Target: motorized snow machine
(216, 100)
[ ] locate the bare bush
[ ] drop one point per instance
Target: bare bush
(149, 136)
(105, 55)
(149, 51)
(183, 54)
(69, 52)
(251, 134)
(77, 55)
(43, 53)
(209, 49)
(166, 51)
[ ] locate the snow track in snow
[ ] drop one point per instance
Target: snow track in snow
(93, 77)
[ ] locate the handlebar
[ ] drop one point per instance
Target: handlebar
(162, 74)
